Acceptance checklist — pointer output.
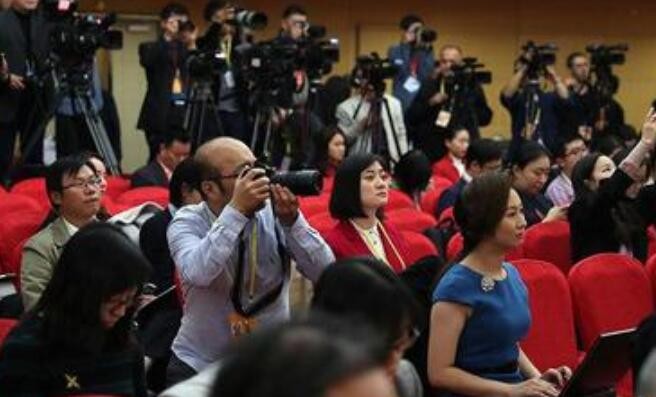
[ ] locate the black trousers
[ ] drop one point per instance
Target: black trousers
(178, 371)
(26, 118)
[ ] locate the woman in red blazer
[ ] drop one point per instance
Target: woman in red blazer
(452, 165)
(359, 195)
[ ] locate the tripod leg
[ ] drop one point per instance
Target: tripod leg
(255, 130)
(98, 134)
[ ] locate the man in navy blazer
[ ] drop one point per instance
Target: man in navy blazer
(175, 148)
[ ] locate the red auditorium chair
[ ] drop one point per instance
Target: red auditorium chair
(610, 292)
(314, 205)
(398, 200)
(430, 199)
(3, 192)
(440, 182)
(446, 214)
(323, 222)
(117, 185)
(549, 242)
(34, 188)
(13, 230)
(140, 195)
(113, 207)
(551, 341)
(419, 246)
(14, 204)
(651, 273)
(410, 219)
(6, 325)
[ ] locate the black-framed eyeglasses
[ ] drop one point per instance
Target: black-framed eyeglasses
(94, 181)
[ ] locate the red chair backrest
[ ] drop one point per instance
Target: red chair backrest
(651, 273)
(3, 192)
(140, 195)
(455, 245)
(6, 325)
(314, 205)
(431, 197)
(549, 242)
(551, 341)
(117, 185)
(34, 188)
(13, 204)
(447, 214)
(398, 200)
(610, 292)
(410, 219)
(419, 246)
(323, 222)
(14, 230)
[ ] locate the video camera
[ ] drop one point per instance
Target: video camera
(537, 58)
(75, 36)
(254, 20)
(269, 67)
(607, 55)
(602, 58)
(373, 70)
(301, 183)
(469, 73)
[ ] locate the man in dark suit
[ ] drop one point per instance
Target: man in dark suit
(172, 151)
(157, 335)
(164, 62)
(24, 40)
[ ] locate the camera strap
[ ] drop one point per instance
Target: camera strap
(269, 297)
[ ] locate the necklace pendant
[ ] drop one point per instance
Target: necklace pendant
(487, 284)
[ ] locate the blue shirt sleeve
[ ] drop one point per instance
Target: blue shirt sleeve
(455, 287)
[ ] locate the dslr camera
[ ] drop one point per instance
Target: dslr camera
(425, 37)
(537, 58)
(372, 70)
(301, 183)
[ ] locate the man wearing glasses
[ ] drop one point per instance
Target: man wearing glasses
(569, 150)
(232, 254)
(73, 187)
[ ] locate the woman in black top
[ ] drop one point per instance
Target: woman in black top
(530, 168)
(79, 339)
(608, 213)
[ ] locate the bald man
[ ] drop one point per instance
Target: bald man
(232, 254)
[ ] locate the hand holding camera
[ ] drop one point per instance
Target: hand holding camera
(285, 204)
(250, 192)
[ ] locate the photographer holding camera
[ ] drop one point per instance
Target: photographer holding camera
(232, 252)
(24, 47)
(164, 62)
(413, 57)
(371, 119)
(452, 96)
(536, 114)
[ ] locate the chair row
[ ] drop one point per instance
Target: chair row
(602, 293)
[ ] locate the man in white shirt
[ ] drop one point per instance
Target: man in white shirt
(372, 120)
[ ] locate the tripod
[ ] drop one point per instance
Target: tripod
(531, 108)
(378, 135)
(201, 105)
(263, 118)
(75, 86)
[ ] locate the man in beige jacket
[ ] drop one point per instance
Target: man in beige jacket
(73, 187)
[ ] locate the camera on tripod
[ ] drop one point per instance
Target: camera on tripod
(469, 73)
(76, 37)
(301, 183)
(607, 55)
(269, 66)
(373, 70)
(537, 58)
(602, 58)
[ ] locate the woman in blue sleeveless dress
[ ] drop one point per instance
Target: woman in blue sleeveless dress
(480, 310)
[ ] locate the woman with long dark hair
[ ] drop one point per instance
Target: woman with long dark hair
(361, 191)
(79, 337)
(611, 210)
(480, 310)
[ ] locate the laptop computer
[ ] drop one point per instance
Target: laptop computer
(607, 361)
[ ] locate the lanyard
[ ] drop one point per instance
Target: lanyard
(269, 297)
(386, 236)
